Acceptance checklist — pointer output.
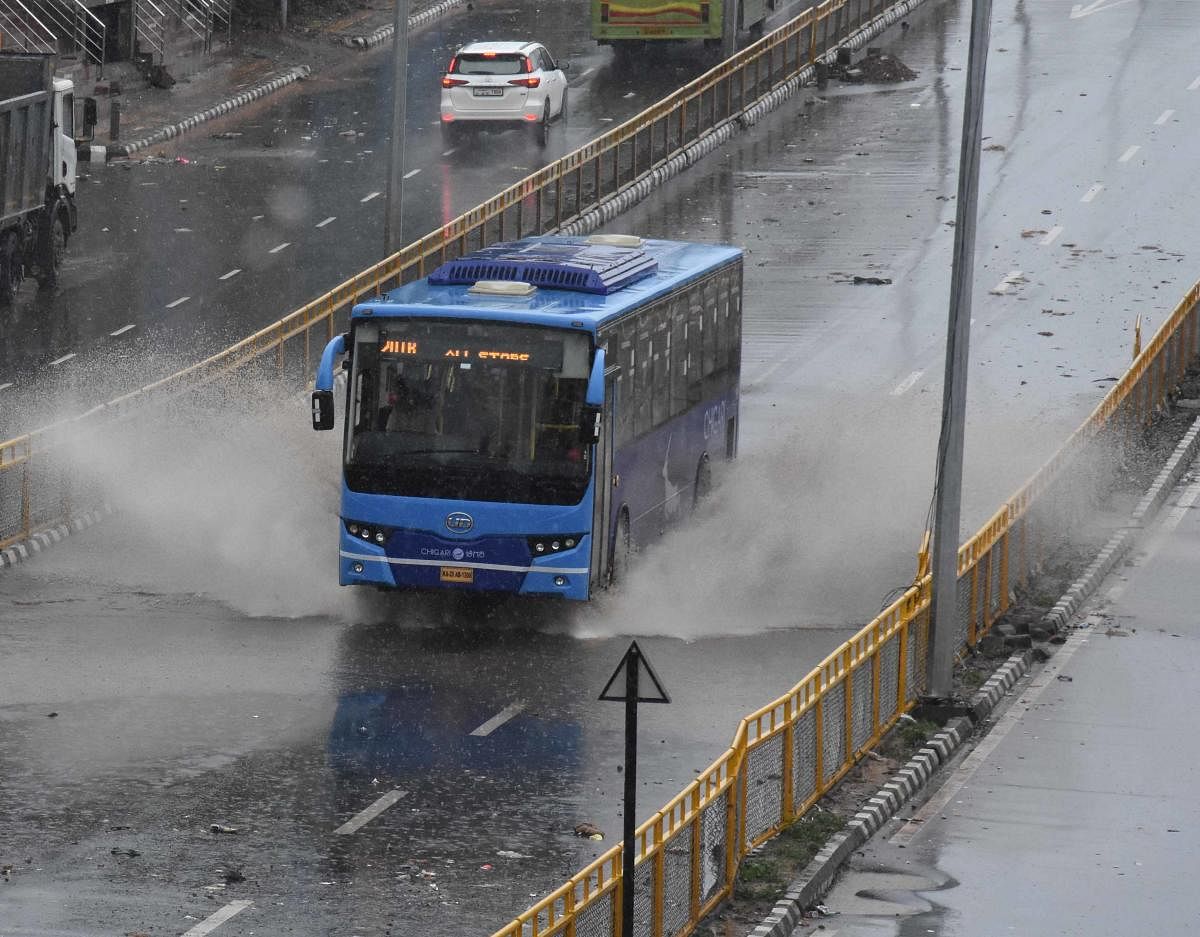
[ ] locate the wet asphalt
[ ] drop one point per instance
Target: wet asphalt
(204, 670)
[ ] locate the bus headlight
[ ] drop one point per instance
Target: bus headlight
(358, 567)
(372, 533)
(560, 580)
(553, 543)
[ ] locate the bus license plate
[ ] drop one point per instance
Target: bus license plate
(458, 574)
(487, 92)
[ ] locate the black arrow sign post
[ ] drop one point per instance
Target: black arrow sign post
(631, 665)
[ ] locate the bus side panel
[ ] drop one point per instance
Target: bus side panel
(658, 471)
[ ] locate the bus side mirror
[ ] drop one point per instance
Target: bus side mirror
(591, 423)
(322, 409)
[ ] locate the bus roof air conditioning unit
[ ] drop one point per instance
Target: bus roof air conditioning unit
(585, 268)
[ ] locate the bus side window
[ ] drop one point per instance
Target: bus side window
(679, 354)
(733, 332)
(661, 382)
(643, 389)
(622, 341)
(708, 293)
(695, 343)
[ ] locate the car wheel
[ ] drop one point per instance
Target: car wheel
(541, 128)
(449, 133)
(52, 253)
(10, 269)
(562, 108)
(618, 569)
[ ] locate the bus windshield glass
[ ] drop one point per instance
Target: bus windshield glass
(473, 410)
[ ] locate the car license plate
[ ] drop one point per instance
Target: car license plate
(458, 574)
(487, 92)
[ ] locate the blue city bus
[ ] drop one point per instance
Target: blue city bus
(529, 414)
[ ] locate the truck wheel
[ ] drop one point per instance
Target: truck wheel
(10, 269)
(52, 253)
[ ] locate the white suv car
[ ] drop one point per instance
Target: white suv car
(503, 82)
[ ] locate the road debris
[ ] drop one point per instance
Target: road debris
(588, 831)
(219, 828)
(873, 281)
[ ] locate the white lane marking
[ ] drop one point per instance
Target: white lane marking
(370, 813)
(367, 198)
(1128, 154)
(1091, 193)
(500, 718)
(936, 805)
(278, 247)
(451, 151)
(1097, 6)
(908, 382)
(1003, 286)
(1164, 117)
(62, 359)
(257, 217)
(231, 274)
(6, 386)
(122, 330)
(183, 230)
(179, 302)
(329, 220)
(409, 175)
(1158, 537)
(217, 918)
(922, 97)
(1051, 235)
(1194, 85)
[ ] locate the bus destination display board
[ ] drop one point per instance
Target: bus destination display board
(504, 350)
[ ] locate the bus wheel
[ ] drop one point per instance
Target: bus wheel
(618, 570)
(703, 482)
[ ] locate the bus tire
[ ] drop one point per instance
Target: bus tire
(618, 569)
(703, 482)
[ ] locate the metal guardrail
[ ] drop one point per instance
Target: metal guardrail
(151, 22)
(21, 28)
(76, 28)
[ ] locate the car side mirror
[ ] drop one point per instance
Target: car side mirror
(564, 66)
(322, 409)
(590, 424)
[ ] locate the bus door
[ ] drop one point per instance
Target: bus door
(602, 504)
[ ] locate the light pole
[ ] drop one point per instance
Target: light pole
(392, 222)
(948, 496)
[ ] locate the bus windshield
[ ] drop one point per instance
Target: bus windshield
(478, 411)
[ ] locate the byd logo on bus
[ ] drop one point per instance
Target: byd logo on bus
(460, 522)
(714, 420)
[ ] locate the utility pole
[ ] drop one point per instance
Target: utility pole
(283, 15)
(948, 497)
(392, 222)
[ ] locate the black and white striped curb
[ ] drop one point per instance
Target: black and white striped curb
(120, 150)
(384, 33)
(43, 539)
(722, 133)
(817, 877)
(1120, 542)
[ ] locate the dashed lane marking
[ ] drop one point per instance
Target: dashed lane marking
(907, 383)
(411, 173)
(231, 274)
(1194, 85)
(500, 718)
(122, 330)
(278, 247)
(217, 918)
(1004, 285)
(63, 359)
(370, 813)
(1128, 154)
(1091, 193)
(179, 302)
(368, 197)
(1051, 235)
(6, 386)
(451, 151)
(330, 220)
(1164, 117)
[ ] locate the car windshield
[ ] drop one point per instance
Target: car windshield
(472, 410)
(489, 63)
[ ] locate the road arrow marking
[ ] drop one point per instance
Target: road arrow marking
(1097, 6)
